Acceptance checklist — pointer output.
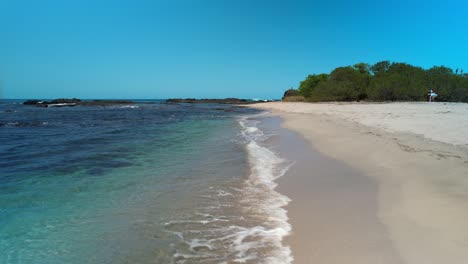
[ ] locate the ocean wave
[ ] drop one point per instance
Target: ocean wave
(21, 124)
(266, 167)
(253, 229)
(129, 106)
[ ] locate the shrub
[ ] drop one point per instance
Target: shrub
(294, 98)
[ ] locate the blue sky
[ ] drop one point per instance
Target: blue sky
(213, 48)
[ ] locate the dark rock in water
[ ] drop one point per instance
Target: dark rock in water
(56, 101)
(210, 101)
(32, 102)
(63, 102)
(9, 111)
(105, 102)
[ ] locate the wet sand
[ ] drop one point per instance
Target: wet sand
(333, 208)
(364, 194)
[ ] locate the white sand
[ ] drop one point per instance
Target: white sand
(445, 122)
(418, 155)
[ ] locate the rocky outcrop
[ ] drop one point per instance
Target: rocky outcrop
(63, 102)
(33, 102)
(105, 102)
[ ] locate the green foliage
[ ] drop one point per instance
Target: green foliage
(399, 82)
(385, 81)
(294, 98)
(363, 68)
(345, 84)
(291, 92)
(380, 67)
(293, 95)
(334, 91)
(310, 83)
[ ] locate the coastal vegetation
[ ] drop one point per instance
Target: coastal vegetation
(293, 95)
(383, 81)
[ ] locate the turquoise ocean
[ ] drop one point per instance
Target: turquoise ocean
(144, 183)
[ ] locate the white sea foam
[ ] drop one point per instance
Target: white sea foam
(202, 222)
(129, 106)
(266, 167)
(223, 193)
(254, 229)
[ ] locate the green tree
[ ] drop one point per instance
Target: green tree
(363, 68)
(385, 81)
(308, 85)
(380, 67)
(400, 81)
(444, 82)
(354, 80)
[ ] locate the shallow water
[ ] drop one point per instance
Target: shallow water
(153, 183)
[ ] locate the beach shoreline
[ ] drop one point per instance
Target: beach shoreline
(395, 189)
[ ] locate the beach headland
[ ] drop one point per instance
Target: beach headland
(376, 183)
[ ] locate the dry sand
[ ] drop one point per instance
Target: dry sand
(401, 195)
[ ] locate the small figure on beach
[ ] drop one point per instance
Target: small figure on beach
(431, 95)
(456, 72)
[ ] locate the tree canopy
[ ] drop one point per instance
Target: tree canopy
(385, 81)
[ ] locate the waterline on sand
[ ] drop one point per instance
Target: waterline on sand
(242, 221)
(266, 167)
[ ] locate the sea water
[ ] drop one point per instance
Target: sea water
(146, 183)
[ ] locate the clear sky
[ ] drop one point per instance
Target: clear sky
(213, 48)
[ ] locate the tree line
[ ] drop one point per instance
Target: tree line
(384, 81)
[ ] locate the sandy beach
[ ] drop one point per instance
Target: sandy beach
(376, 183)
